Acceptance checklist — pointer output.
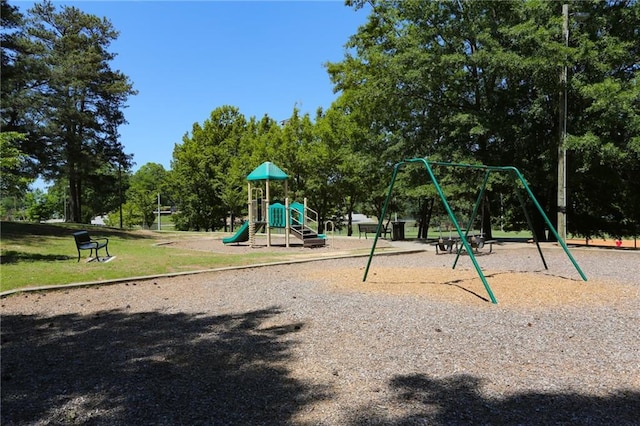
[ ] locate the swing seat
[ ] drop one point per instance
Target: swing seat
(445, 246)
(478, 243)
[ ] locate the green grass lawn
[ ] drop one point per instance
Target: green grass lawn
(35, 255)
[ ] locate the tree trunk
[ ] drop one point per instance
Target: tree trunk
(352, 203)
(540, 228)
(426, 210)
(75, 195)
(485, 226)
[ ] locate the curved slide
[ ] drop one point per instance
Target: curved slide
(240, 236)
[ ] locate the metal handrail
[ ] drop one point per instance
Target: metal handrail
(257, 212)
(333, 229)
(309, 219)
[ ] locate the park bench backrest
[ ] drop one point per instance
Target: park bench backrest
(368, 227)
(82, 237)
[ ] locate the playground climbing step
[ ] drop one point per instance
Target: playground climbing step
(308, 236)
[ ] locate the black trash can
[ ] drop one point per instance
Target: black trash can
(397, 231)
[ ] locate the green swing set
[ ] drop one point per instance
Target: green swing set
(463, 235)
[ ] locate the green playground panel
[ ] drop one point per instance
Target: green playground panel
(277, 215)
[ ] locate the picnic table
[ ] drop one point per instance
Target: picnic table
(371, 228)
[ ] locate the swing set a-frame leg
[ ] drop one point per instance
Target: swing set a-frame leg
(449, 212)
(463, 237)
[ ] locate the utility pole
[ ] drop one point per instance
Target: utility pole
(562, 152)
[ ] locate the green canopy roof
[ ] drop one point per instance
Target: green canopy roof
(267, 171)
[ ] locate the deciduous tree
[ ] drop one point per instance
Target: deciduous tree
(478, 81)
(200, 166)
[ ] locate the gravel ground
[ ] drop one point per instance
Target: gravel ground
(311, 344)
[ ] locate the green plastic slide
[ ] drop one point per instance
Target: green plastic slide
(240, 236)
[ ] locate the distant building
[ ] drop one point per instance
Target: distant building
(98, 220)
(359, 217)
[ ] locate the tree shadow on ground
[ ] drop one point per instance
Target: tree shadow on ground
(458, 400)
(33, 233)
(12, 256)
(123, 368)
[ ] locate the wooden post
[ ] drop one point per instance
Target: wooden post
(267, 216)
(287, 222)
(250, 208)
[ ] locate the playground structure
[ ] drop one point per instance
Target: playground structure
(464, 235)
(295, 218)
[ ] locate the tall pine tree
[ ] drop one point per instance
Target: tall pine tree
(72, 101)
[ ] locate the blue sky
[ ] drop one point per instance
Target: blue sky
(187, 58)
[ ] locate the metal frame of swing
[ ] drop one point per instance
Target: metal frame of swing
(463, 235)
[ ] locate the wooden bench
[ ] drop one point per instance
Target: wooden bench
(371, 228)
(85, 242)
